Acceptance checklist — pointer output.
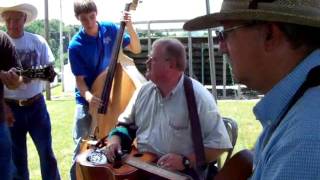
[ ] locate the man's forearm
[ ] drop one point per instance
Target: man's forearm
(135, 46)
(82, 86)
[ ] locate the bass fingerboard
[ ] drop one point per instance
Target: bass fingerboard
(136, 162)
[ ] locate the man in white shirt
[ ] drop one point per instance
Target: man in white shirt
(27, 102)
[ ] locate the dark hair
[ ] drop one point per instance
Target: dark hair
(300, 35)
(84, 6)
(173, 49)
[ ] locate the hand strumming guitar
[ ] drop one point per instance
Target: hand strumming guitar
(171, 161)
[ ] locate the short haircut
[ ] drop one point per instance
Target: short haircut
(84, 6)
(174, 49)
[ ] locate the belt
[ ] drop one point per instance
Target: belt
(24, 102)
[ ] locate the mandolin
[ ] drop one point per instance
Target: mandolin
(44, 73)
(132, 166)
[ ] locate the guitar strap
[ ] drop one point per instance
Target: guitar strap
(195, 123)
(312, 80)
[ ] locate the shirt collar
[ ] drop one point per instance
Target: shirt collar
(178, 86)
(175, 89)
(272, 105)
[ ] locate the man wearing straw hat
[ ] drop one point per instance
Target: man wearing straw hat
(273, 46)
(27, 102)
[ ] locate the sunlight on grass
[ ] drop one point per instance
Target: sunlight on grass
(61, 109)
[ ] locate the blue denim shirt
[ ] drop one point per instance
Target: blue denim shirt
(293, 150)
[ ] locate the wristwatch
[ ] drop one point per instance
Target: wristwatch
(186, 162)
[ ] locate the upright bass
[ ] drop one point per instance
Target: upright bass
(114, 87)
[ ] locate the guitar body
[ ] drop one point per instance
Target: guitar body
(107, 171)
(239, 167)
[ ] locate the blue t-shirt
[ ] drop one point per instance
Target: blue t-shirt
(85, 52)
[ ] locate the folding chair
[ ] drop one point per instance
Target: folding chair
(232, 129)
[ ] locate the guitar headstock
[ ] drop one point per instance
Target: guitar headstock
(46, 73)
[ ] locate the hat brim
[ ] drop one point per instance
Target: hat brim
(28, 9)
(215, 19)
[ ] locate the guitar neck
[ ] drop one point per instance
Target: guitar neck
(153, 169)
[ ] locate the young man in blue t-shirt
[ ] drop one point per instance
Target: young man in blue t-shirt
(89, 54)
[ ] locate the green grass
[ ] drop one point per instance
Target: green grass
(61, 109)
(248, 127)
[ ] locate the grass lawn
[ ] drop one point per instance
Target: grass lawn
(61, 109)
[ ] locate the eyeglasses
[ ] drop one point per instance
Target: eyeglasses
(222, 34)
(150, 59)
(153, 59)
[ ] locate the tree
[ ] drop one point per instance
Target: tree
(37, 27)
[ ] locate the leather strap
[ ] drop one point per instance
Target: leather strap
(24, 102)
(312, 80)
(195, 123)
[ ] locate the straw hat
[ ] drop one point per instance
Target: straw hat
(302, 12)
(12, 5)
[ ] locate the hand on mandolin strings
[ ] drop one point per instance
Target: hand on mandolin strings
(10, 78)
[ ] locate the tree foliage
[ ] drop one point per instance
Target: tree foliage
(38, 27)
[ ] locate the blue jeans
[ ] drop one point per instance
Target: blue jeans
(35, 120)
(81, 130)
(6, 165)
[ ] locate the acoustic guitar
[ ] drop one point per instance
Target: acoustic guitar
(238, 167)
(132, 166)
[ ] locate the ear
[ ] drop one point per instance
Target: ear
(25, 17)
(273, 37)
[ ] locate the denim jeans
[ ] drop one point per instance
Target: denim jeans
(35, 120)
(6, 164)
(81, 130)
